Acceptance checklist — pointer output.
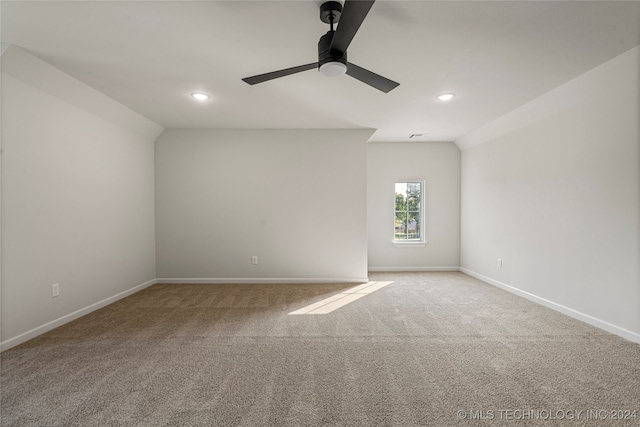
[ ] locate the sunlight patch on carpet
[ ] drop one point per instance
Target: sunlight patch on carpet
(334, 302)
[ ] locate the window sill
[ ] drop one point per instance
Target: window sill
(399, 244)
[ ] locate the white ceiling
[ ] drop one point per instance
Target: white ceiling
(495, 55)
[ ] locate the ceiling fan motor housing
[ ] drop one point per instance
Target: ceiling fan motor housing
(325, 54)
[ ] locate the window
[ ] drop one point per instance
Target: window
(408, 212)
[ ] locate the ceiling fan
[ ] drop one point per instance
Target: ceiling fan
(332, 47)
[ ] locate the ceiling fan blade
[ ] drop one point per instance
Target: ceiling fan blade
(353, 13)
(277, 74)
(372, 79)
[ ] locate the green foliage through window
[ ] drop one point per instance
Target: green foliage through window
(407, 211)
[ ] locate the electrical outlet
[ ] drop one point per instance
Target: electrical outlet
(55, 290)
(254, 260)
(499, 262)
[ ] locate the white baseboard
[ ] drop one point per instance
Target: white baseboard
(260, 281)
(17, 340)
(593, 321)
(408, 269)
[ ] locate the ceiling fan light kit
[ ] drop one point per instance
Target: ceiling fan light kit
(332, 47)
(332, 69)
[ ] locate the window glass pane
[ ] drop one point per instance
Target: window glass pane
(413, 188)
(413, 225)
(401, 225)
(401, 188)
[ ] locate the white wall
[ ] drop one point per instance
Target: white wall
(439, 165)
(553, 189)
(77, 201)
(294, 198)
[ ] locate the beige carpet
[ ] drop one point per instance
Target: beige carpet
(430, 349)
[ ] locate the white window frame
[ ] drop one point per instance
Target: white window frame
(413, 243)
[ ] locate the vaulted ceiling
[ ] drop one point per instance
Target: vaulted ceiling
(494, 55)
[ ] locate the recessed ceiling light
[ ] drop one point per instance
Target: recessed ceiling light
(446, 96)
(200, 96)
